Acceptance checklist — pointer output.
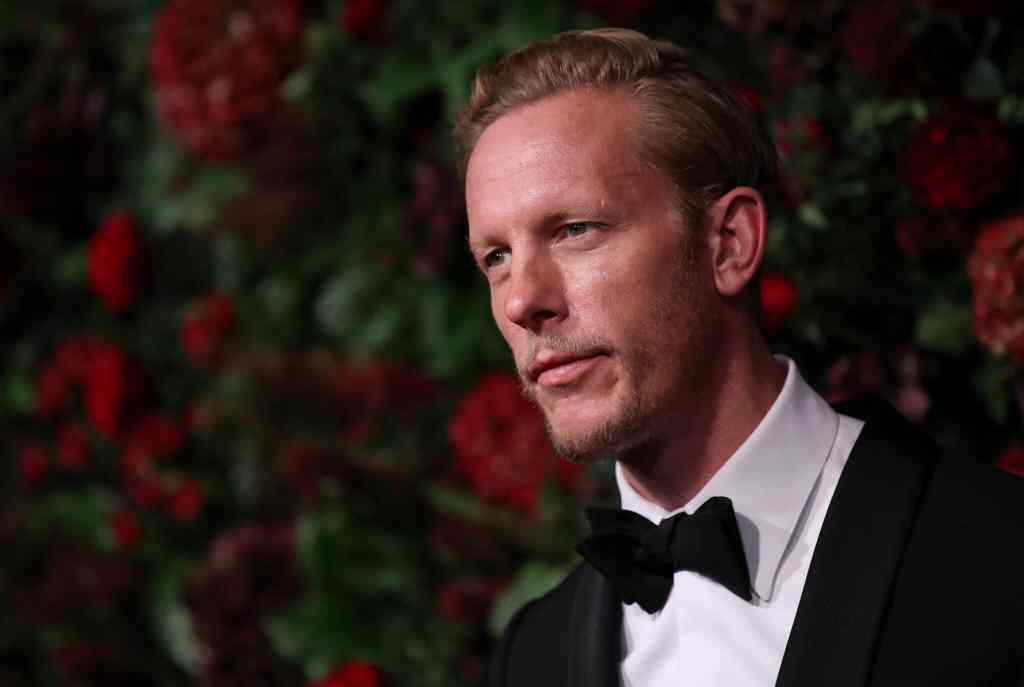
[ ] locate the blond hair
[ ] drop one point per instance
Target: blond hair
(702, 136)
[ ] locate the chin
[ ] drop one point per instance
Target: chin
(588, 440)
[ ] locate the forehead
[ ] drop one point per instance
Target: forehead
(572, 147)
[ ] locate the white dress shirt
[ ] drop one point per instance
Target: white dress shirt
(780, 480)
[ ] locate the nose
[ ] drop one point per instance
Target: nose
(534, 294)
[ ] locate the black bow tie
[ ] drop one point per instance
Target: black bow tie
(640, 558)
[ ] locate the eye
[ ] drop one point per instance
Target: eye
(493, 258)
(575, 229)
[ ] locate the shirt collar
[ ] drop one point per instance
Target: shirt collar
(769, 478)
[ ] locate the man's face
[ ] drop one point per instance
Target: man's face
(601, 291)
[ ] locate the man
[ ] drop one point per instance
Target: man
(615, 206)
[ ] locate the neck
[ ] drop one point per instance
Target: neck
(678, 461)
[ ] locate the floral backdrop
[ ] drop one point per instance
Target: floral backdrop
(258, 428)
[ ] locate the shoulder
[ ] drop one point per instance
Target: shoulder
(977, 490)
(978, 502)
(536, 637)
(964, 503)
(885, 430)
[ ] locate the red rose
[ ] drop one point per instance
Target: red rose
(187, 500)
(248, 573)
(353, 674)
(432, 215)
(306, 468)
(282, 182)
(361, 395)
(53, 391)
(113, 389)
(753, 16)
(468, 601)
(895, 374)
(207, 327)
(932, 235)
(801, 142)
(33, 462)
(1012, 460)
(787, 67)
(874, 36)
(364, 19)
(154, 435)
(618, 12)
(452, 537)
(68, 366)
(75, 355)
(301, 468)
(801, 135)
(145, 488)
(958, 159)
(72, 447)
(749, 95)
(996, 269)
(117, 261)
(76, 660)
(217, 66)
(854, 377)
(778, 301)
(500, 443)
(127, 529)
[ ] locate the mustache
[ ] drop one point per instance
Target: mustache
(563, 345)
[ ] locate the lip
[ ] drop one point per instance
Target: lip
(561, 370)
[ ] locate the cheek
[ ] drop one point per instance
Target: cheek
(616, 290)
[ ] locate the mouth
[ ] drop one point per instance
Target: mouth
(556, 370)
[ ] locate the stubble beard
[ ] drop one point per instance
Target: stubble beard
(631, 428)
(627, 429)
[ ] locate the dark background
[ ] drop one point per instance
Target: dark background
(257, 425)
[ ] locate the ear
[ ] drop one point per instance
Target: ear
(738, 231)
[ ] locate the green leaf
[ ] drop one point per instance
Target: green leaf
(992, 382)
(321, 630)
(944, 326)
(397, 80)
(455, 75)
(293, 632)
(18, 393)
(871, 115)
(282, 294)
(534, 580)
(79, 513)
(298, 85)
(341, 308)
(157, 169)
(198, 205)
(69, 271)
(170, 620)
(1011, 108)
(318, 539)
(812, 215)
(984, 81)
(380, 331)
(466, 506)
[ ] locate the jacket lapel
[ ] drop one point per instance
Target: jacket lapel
(857, 555)
(595, 646)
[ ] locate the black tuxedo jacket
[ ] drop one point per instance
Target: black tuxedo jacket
(917, 579)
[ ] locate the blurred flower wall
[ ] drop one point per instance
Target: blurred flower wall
(258, 428)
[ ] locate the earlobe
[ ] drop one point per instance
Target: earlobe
(738, 234)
